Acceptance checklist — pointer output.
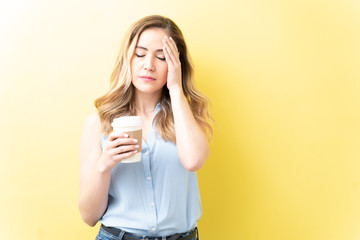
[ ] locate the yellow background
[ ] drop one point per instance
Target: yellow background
(284, 80)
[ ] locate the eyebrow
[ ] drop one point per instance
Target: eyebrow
(144, 48)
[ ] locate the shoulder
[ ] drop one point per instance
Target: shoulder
(92, 124)
(92, 131)
(93, 121)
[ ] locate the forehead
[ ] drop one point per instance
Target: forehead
(151, 38)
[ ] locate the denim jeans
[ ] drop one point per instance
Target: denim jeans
(104, 235)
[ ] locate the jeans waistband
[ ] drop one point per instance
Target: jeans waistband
(130, 236)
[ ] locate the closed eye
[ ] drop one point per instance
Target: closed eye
(162, 59)
(139, 55)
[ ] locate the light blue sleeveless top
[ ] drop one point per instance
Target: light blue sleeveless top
(156, 196)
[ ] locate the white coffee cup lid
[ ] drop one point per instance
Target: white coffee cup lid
(126, 121)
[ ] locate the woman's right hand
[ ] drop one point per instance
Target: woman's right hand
(117, 148)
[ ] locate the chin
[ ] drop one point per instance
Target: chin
(148, 88)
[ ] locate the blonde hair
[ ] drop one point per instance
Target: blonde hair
(119, 100)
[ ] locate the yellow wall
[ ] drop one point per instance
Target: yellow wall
(284, 79)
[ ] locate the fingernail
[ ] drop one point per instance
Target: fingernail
(137, 146)
(126, 135)
(135, 140)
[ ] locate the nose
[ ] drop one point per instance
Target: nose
(149, 64)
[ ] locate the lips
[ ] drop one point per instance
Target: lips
(147, 78)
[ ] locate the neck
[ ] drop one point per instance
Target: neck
(146, 103)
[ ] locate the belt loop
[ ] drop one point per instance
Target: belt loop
(163, 238)
(121, 235)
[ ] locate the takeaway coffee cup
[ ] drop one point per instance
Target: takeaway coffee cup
(132, 126)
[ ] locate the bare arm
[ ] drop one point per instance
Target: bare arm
(96, 166)
(191, 140)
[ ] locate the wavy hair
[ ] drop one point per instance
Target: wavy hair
(119, 100)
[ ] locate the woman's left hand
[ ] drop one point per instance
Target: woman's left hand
(174, 65)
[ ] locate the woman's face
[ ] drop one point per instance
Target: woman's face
(148, 65)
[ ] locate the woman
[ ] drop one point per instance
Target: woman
(157, 197)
